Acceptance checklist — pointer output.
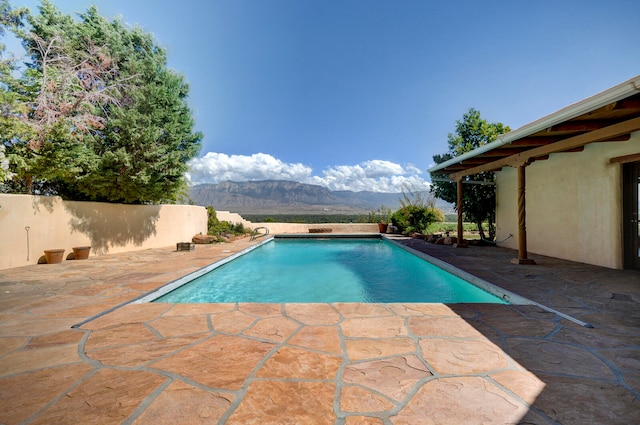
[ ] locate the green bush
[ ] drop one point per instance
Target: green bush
(413, 218)
(216, 227)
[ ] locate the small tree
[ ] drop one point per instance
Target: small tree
(479, 200)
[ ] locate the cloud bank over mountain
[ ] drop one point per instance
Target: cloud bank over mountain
(374, 175)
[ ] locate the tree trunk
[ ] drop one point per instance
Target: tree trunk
(480, 230)
(28, 184)
(492, 231)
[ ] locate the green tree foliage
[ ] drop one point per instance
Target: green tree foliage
(10, 19)
(439, 215)
(4, 166)
(479, 200)
(103, 117)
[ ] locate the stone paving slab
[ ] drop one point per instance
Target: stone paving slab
(341, 363)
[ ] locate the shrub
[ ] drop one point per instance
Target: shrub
(413, 218)
(217, 227)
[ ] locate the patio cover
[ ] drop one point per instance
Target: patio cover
(609, 116)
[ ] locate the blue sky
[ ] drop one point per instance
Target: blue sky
(361, 94)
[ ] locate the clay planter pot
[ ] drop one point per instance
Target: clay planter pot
(81, 252)
(54, 256)
(382, 227)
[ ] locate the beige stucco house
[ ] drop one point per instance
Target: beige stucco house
(567, 185)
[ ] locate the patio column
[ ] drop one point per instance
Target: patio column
(460, 242)
(522, 222)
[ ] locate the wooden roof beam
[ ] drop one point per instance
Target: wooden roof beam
(585, 125)
(632, 102)
(533, 141)
(603, 134)
(452, 169)
(622, 138)
(525, 143)
(475, 161)
(500, 152)
(625, 159)
(578, 149)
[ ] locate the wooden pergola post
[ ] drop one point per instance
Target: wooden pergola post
(522, 221)
(460, 239)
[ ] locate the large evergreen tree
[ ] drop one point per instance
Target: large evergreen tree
(107, 119)
(10, 125)
(479, 200)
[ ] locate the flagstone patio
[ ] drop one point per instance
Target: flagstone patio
(341, 363)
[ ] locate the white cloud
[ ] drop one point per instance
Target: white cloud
(217, 167)
(379, 168)
(374, 175)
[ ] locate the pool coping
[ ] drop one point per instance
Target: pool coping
(170, 286)
(174, 284)
(508, 296)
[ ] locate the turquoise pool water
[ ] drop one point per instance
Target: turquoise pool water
(328, 270)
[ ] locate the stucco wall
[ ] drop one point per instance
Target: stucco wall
(232, 217)
(574, 204)
(112, 228)
(107, 228)
(275, 228)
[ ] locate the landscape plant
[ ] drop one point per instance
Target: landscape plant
(413, 218)
(94, 112)
(416, 212)
(216, 227)
(381, 215)
(479, 199)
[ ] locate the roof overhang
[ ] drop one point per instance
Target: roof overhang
(611, 115)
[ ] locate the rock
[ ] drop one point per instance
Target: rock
(450, 240)
(204, 239)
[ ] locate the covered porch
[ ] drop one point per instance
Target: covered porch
(608, 119)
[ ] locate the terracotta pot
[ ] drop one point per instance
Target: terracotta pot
(81, 252)
(54, 256)
(382, 227)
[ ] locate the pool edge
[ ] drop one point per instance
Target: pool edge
(169, 286)
(508, 296)
(496, 290)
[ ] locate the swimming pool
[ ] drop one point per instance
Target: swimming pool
(325, 270)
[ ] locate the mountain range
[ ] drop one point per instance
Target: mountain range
(289, 197)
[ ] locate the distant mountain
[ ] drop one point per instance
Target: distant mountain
(288, 197)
